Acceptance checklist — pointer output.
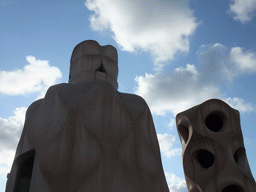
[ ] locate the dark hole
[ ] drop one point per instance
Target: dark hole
(236, 157)
(232, 188)
(183, 130)
(205, 158)
(24, 174)
(239, 155)
(102, 69)
(214, 122)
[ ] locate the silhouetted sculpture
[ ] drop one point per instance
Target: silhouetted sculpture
(214, 158)
(85, 136)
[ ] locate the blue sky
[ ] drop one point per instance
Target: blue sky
(175, 54)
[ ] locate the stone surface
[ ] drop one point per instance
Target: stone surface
(214, 157)
(85, 136)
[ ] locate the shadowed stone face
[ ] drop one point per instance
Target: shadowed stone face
(214, 157)
(92, 62)
(87, 136)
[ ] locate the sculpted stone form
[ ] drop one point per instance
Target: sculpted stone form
(214, 158)
(85, 136)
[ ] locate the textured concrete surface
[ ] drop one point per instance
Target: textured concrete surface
(214, 157)
(85, 136)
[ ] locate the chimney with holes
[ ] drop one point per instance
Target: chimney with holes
(213, 153)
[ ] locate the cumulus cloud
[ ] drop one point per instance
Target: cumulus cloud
(166, 142)
(175, 183)
(6, 160)
(161, 27)
(10, 131)
(242, 10)
(174, 92)
(214, 64)
(188, 86)
(244, 61)
(37, 76)
(240, 104)
(218, 65)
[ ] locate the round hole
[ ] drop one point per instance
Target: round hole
(205, 158)
(239, 156)
(232, 188)
(214, 122)
(183, 130)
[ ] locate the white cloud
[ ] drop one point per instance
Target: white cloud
(218, 65)
(6, 160)
(188, 86)
(245, 61)
(166, 142)
(10, 131)
(242, 10)
(161, 27)
(240, 104)
(214, 64)
(175, 183)
(174, 92)
(37, 76)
